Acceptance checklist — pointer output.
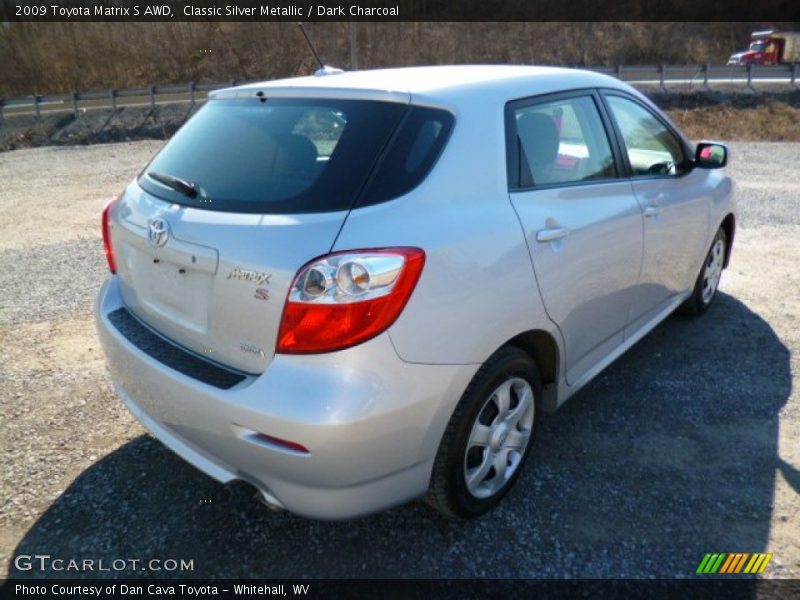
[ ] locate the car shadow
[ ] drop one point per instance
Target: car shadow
(671, 453)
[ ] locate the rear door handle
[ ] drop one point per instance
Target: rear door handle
(550, 235)
(652, 211)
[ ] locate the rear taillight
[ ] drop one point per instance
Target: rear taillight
(107, 247)
(346, 298)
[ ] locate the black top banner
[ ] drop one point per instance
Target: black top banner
(766, 11)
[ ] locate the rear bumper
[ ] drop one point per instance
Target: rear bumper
(371, 422)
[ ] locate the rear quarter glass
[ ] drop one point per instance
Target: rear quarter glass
(412, 153)
(278, 156)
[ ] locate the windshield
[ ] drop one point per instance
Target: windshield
(273, 156)
(757, 46)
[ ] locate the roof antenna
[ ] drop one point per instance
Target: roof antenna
(323, 68)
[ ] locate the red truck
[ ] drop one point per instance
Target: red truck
(769, 48)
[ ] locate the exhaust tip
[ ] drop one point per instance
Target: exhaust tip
(270, 501)
(242, 487)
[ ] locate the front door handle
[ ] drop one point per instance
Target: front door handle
(552, 234)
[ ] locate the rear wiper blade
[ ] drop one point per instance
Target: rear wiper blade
(187, 188)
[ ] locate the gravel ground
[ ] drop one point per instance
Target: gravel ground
(686, 445)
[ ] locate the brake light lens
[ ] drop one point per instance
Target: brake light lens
(346, 298)
(107, 247)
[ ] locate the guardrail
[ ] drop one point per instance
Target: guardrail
(704, 74)
(190, 92)
(660, 75)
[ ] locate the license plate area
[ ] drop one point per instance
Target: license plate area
(172, 290)
(173, 283)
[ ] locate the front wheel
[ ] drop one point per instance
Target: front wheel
(705, 287)
(489, 436)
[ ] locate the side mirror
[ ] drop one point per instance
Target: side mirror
(711, 155)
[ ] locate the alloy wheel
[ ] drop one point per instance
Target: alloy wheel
(713, 270)
(499, 437)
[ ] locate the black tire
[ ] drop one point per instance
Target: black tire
(696, 304)
(448, 491)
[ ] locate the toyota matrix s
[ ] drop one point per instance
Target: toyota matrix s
(358, 289)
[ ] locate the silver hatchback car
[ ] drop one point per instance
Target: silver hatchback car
(358, 289)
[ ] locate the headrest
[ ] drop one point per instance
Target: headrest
(539, 137)
(296, 153)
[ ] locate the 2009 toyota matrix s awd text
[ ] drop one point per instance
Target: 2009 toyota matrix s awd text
(358, 289)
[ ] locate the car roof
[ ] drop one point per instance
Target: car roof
(446, 86)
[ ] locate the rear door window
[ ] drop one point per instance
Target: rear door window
(275, 156)
(561, 141)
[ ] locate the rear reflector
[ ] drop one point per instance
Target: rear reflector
(289, 445)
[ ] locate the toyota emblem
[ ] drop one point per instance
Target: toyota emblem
(158, 232)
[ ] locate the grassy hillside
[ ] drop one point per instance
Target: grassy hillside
(61, 57)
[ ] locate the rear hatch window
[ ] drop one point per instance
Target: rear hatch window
(291, 156)
(277, 156)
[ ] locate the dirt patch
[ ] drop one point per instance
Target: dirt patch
(64, 344)
(62, 210)
(746, 115)
(746, 98)
(125, 124)
(99, 126)
(774, 121)
(30, 132)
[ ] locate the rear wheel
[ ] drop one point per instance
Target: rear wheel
(707, 283)
(489, 436)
